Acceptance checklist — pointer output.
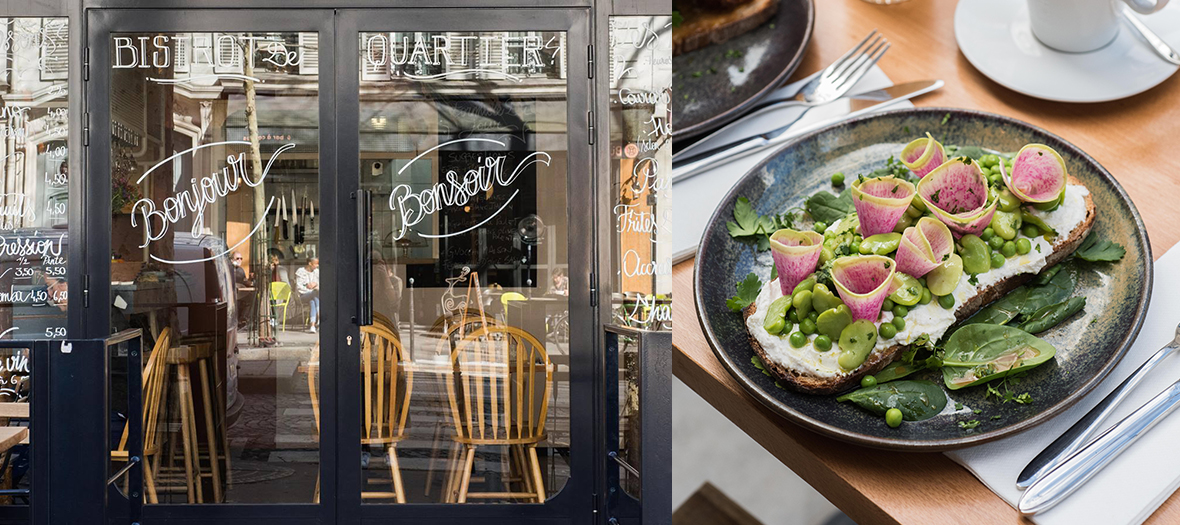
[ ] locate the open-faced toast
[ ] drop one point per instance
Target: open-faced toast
(807, 382)
(716, 21)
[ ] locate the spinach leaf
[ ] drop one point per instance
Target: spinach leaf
(829, 208)
(917, 400)
(747, 292)
(899, 369)
(1029, 298)
(1094, 249)
(1052, 315)
(979, 353)
(1058, 289)
(970, 151)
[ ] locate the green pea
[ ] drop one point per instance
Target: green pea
(798, 339)
(917, 203)
(880, 244)
(1023, 246)
(899, 323)
(908, 293)
(822, 343)
(922, 280)
(854, 247)
(820, 226)
(813, 316)
(900, 311)
(1029, 218)
(1005, 224)
(1009, 249)
(913, 212)
(1031, 231)
(997, 259)
(994, 179)
(868, 381)
(926, 296)
(887, 330)
(807, 326)
(793, 315)
(838, 178)
(802, 302)
(775, 321)
(987, 234)
(947, 301)
(989, 160)
(975, 254)
(893, 418)
(995, 242)
(1008, 201)
(856, 341)
(887, 305)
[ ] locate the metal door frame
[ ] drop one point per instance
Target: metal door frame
(575, 504)
(97, 216)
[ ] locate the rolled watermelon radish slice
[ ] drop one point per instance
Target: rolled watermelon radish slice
(923, 247)
(957, 194)
(1038, 174)
(864, 283)
(923, 155)
(880, 203)
(795, 256)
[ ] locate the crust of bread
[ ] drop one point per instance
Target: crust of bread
(708, 22)
(813, 384)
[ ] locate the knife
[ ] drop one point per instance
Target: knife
(1080, 467)
(1087, 427)
(857, 105)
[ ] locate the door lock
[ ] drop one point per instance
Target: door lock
(349, 339)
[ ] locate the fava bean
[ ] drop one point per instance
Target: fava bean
(807, 284)
(856, 341)
(822, 298)
(1008, 201)
(775, 315)
(832, 322)
(880, 244)
(913, 212)
(826, 254)
(945, 277)
(975, 254)
(917, 203)
(908, 293)
(802, 302)
(1005, 224)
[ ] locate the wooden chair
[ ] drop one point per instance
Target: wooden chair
(387, 389)
(155, 373)
(499, 396)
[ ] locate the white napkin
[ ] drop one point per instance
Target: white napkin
(1132, 486)
(699, 195)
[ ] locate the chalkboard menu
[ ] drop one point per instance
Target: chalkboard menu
(34, 174)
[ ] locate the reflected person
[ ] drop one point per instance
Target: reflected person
(307, 283)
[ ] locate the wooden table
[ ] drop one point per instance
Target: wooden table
(1132, 138)
(11, 436)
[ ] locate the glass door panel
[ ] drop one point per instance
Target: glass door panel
(215, 239)
(465, 380)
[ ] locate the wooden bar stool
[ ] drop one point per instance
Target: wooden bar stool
(182, 358)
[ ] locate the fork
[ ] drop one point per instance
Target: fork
(830, 84)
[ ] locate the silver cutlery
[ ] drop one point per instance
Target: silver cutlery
(1079, 468)
(1081, 432)
(699, 162)
(838, 78)
(1161, 48)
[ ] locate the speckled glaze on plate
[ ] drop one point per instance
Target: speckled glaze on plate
(1089, 345)
(769, 56)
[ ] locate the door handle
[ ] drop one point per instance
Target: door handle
(364, 210)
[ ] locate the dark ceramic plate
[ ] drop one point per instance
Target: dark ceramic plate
(1088, 346)
(768, 57)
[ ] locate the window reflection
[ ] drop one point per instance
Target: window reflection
(463, 140)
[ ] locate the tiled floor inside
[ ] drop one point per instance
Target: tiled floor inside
(708, 447)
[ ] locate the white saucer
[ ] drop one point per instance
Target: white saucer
(996, 38)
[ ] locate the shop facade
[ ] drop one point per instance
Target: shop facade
(335, 262)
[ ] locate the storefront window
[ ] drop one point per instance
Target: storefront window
(215, 245)
(641, 164)
(463, 142)
(34, 158)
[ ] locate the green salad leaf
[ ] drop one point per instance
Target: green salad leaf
(1027, 299)
(978, 353)
(899, 369)
(917, 400)
(1051, 315)
(827, 207)
(747, 292)
(1094, 249)
(975, 152)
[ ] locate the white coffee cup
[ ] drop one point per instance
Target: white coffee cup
(1079, 26)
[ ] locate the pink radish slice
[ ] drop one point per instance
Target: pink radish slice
(795, 256)
(864, 283)
(957, 194)
(923, 247)
(880, 203)
(923, 155)
(1038, 174)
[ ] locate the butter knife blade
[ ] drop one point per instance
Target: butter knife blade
(856, 105)
(1079, 468)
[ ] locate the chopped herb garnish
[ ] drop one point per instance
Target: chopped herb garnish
(945, 119)
(997, 416)
(968, 425)
(934, 196)
(906, 129)
(974, 280)
(894, 190)
(977, 411)
(958, 406)
(696, 74)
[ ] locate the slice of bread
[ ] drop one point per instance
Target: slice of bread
(716, 21)
(806, 383)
